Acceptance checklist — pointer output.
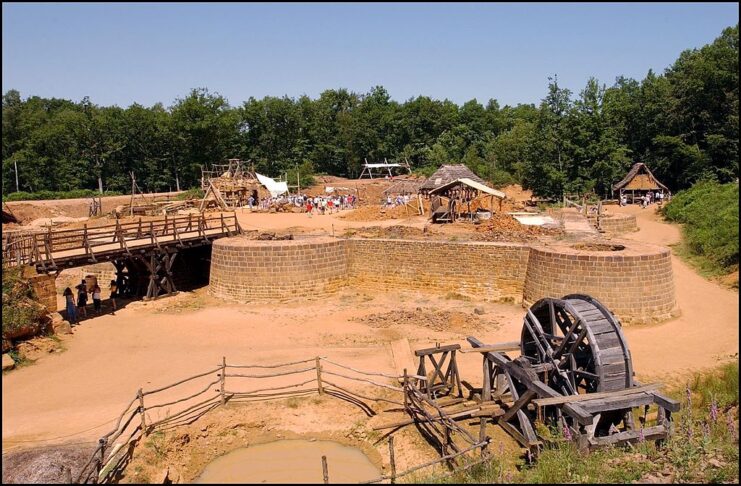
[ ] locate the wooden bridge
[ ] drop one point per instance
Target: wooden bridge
(145, 249)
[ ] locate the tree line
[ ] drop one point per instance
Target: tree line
(683, 124)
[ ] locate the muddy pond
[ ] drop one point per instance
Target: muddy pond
(290, 461)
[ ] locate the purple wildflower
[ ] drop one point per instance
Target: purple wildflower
(714, 411)
(641, 437)
(705, 430)
(688, 393)
(567, 433)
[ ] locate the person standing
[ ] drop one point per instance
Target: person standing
(69, 300)
(96, 298)
(114, 294)
(82, 298)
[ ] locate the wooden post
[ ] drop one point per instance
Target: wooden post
(406, 390)
(325, 471)
(482, 435)
(223, 379)
(392, 459)
(141, 411)
(320, 387)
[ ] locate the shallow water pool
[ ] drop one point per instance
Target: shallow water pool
(290, 461)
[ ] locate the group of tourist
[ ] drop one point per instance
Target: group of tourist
(327, 204)
(646, 199)
(78, 307)
(397, 201)
(310, 204)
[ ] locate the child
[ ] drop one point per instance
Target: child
(96, 298)
(82, 298)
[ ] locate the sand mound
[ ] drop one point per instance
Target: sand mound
(451, 321)
(504, 227)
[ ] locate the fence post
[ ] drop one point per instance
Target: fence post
(141, 411)
(406, 390)
(482, 435)
(223, 379)
(320, 387)
(392, 459)
(325, 472)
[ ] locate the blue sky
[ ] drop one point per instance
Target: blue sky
(148, 53)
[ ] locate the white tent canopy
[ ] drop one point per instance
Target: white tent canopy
(274, 187)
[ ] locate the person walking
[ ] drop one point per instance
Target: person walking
(82, 298)
(114, 294)
(69, 300)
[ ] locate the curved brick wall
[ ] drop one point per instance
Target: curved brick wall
(616, 223)
(248, 270)
(635, 283)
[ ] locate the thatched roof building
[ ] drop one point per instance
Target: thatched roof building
(638, 181)
(447, 174)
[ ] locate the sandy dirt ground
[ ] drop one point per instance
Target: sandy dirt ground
(706, 332)
(74, 396)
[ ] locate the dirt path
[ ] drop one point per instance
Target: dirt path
(704, 335)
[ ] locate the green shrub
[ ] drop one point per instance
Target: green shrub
(47, 195)
(709, 212)
(193, 193)
(21, 310)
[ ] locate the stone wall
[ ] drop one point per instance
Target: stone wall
(46, 291)
(636, 283)
(249, 270)
(616, 223)
(489, 271)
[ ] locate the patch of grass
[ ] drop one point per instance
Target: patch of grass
(46, 195)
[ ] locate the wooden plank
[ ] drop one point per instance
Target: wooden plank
(618, 402)
(402, 354)
(542, 402)
(649, 433)
(427, 351)
(508, 346)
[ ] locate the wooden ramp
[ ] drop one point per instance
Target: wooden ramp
(403, 357)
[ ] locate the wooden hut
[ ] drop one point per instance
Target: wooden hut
(637, 182)
(446, 174)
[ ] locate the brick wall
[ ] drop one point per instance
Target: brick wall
(616, 223)
(46, 291)
(488, 271)
(636, 283)
(248, 270)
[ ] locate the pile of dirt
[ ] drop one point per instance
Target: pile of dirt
(504, 227)
(515, 192)
(395, 232)
(377, 212)
(440, 321)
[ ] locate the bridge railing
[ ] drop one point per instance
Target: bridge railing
(43, 248)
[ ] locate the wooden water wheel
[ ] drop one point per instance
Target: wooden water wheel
(583, 344)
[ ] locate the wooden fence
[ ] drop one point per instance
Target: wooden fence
(220, 385)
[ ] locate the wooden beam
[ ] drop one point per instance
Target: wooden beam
(543, 402)
(426, 351)
(508, 346)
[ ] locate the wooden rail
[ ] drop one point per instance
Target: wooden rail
(55, 248)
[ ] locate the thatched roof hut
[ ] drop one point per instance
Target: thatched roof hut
(447, 174)
(638, 181)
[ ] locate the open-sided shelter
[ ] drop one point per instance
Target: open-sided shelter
(460, 187)
(637, 182)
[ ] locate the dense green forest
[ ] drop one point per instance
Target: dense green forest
(682, 123)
